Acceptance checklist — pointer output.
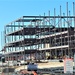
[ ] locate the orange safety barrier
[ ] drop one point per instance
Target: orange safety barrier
(33, 72)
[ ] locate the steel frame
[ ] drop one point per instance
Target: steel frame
(42, 26)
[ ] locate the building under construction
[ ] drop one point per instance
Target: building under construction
(40, 37)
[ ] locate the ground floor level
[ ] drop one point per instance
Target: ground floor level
(40, 54)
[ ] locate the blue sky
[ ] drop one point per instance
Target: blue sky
(13, 9)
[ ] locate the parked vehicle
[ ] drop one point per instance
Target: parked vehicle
(32, 67)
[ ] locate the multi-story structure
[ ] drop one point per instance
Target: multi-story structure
(40, 37)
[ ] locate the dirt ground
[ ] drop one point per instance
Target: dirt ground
(43, 65)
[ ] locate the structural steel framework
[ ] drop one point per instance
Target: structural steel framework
(40, 37)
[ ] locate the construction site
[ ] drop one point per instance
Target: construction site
(40, 38)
